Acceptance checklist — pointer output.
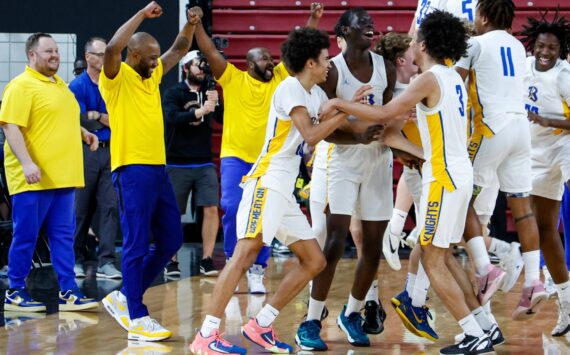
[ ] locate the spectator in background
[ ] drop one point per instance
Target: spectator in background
(189, 108)
(43, 167)
(79, 66)
(98, 191)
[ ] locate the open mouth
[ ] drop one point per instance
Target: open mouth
(369, 34)
(544, 61)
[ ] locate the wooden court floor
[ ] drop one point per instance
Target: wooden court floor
(180, 306)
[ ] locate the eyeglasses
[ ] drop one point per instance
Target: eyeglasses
(99, 55)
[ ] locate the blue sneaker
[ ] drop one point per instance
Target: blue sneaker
(308, 336)
(352, 327)
(75, 300)
(19, 300)
(414, 318)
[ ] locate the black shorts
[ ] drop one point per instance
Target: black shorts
(202, 182)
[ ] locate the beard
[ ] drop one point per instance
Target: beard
(262, 73)
(193, 79)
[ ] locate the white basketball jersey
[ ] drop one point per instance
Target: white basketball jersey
(443, 131)
(548, 95)
(347, 84)
(278, 163)
(464, 9)
(497, 64)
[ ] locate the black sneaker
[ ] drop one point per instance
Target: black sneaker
(207, 267)
(374, 317)
(496, 335)
(172, 270)
(470, 345)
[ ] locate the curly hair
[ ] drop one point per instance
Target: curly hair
(559, 27)
(393, 45)
(500, 13)
(344, 20)
(444, 35)
(301, 45)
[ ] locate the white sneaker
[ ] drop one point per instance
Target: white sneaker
(390, 246)
(147, 329)
(116, 304)
(412, 238)
(255, 279)
(512, 264)
(563, 323)
(549, 286)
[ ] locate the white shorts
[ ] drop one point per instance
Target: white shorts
(550, 171)
(360, 182)
(443, 214)
(486, 200)
(413, 181)
(505, 158)
(318, 192)
(266, 211)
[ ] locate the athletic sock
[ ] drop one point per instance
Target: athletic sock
(470, 326)
(482, 318)
(315, 309)
(499, 247)
(267, 315)
(531, 261)
(410, 283)
(479, 255)
(563, 290)
(372, 294)
(353, 305)
(397, 221)
(487, 309)
(421, 287)
(210, 324)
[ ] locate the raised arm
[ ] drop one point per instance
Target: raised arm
(182, 43)
(317, 10)
(112, 59)
(216, 60)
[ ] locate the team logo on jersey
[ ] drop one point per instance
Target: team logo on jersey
(532, 93)
(431, 220)
(345, 82)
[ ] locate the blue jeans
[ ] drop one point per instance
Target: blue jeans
(232, 170)
(146, 204)
(54, 210)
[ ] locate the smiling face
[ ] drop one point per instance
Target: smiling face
(321, 66)
(44, 57)
(546, 51)
(360, 32)
(147, 59)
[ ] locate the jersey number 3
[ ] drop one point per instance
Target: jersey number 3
(459, 91)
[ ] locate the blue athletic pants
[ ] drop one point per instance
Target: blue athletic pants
(232, 170)
(31, 210)
(146, 204)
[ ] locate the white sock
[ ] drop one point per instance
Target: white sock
(397, 221)
(470, 326)
(266, 316)
(499, 247)
(487, 309)
(484, 220)
(479, 255)
(421, 287)
(410, 283)
(353, 305)
(531, 261)
(210, 324)
(563, 290)
(482, 318)
(372, 294)
(315, 309)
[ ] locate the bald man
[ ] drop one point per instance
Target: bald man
(247, 96)
(146, 198)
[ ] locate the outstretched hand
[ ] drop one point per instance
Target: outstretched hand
(194, 15)
(361, 94)
(152, 10)
(317, 10)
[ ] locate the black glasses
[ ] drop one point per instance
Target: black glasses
(100, 55)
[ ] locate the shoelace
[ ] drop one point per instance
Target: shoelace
(220, 340)
(426, 312)
(313, 330)
(357, 319)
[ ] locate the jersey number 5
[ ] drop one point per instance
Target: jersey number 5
(459, 91)
(466, 10)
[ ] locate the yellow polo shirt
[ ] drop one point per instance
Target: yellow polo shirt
(246, 109)
(48, 116)
(135, 117)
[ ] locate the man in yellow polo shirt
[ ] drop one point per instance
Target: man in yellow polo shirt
(146, 198)
(44, 165)
(247, 97)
